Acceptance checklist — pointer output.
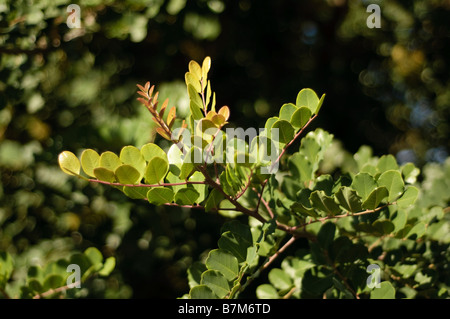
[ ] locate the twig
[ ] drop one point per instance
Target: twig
(146, 185)
(56, 290)
(341, 216)
(292, 141)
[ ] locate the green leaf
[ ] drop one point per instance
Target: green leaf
(285, 131)
(69, 163)
(53, 281)
(326, 235)
(108, 266)
(110, 161)
(192, 79)
(175, 158)
(322, 98)
(6, 268)
(280, 279)
(308, 98)
(104, 174)
(156, 170)
(383, 227)
(223, 262)
(409, 197)
(132, 156)
(234, 244)
(127, 174)
(202, 292)
(89, 161)
(186, 196)
(150, 150)
(216, 282)
(160, 195)
(387, 162)
(364, 184)
(348, 199)
(135, 192)
(324, 203)
(266, 291)
(386, 291)
(300, 117)
(300, 167)
(94, 255)
(213, 201)
(286, 111)
(393, 182)
(375, 198)
(195, 272)
(200, 188)
(410, 173)
(417, 231)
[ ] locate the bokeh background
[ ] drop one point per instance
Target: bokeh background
(71, 89)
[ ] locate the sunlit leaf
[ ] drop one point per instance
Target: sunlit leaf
(69, 163)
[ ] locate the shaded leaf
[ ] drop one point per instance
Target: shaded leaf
(223, 262)
(160, 195)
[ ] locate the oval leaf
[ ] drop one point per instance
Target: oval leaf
(160, 195)
(89, 160)
(223, 262)
(300, 117)
(282, 131)
(156, 170)
(69, 163)
(127, 174)
(393, 182)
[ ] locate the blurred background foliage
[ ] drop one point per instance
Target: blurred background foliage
(63, 88)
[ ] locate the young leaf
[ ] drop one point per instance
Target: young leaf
(69, 163)
(225, 112)
(195, 69)
(192, 79)
(89, 160)
(206, 66)
(160, 195)
(156, 170)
